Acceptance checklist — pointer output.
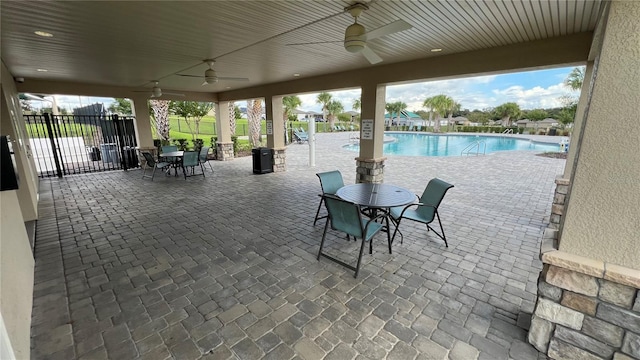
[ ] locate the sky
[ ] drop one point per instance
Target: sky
(530, 90)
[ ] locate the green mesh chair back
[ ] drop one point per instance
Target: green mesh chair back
(432, 197)
(426, 210)
(330, 182)
(167, 149)
(203, 157)
(190, 158)
(346, 217)
(151, 162)
(204, 153)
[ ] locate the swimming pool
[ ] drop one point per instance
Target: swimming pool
(452, 145)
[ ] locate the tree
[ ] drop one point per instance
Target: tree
(357, 105)
(323, 98)
(289, 103)
(575, 78)
(120, 106)
(395, 108)
(506, 112)
(440, 105)
(334, 107)
(199, 110)
(160, 111)
(478, 116)
(234, 114)
(536, 114)
(191, 110)
(254, 114)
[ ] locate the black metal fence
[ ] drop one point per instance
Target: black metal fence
(75, 144)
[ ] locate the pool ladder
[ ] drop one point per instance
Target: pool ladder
(507, 131)
(469, 150)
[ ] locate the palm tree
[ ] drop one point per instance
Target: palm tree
(160, 109)
(289, 104)
(440, 105)
(232, 117)
(357, 104)
(323, 98)
(395, 108)
(453, 107)
(254, 112)
(575, 78)
(334, 107)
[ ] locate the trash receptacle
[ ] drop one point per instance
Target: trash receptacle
(94, 153)
(109, 153)
(262, 160)
(552, 132)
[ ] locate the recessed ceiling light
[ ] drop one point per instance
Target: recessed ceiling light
(228, 87)
(43, 33)
(296, 75)
(436, 50)
(42, 70)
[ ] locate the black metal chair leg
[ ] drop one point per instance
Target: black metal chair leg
(388, 233)
(359, 259)
(318, 211)
(324, 236)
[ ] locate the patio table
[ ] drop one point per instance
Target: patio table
(177, 155)
(377, 197)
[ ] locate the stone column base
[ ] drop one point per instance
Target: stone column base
(559, 197)
(586, 309)
(279, 160)
(224, 151)
(370, 170)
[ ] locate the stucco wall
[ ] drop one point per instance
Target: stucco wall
(11, 123)
(16, 275)
(604, 201)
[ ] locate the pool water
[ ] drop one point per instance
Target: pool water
(453, 145)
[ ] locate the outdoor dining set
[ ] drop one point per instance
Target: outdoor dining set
(172, 158)
(363, 210)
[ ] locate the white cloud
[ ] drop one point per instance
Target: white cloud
(536, 97)
(71, 102)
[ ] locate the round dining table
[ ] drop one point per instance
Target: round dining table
(377, 197)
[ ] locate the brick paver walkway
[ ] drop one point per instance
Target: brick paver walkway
(225, 266)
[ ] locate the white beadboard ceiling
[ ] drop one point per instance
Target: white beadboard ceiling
(130, 43)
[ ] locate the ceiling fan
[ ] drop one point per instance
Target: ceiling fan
(356, 36)
(157, 92)
(210, 75)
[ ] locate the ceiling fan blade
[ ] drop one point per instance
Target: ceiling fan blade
(170, 93)
(204, 83)
(187, 75)
(372, 57)
(394, 27)
(232, 78)
(316, 42)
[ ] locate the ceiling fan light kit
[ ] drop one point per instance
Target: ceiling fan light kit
(354, 38)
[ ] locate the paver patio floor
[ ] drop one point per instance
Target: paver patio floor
(225, 266)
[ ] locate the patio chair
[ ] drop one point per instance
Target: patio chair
(152, 163)
(172, 160)
(300, 136)
(190, 160)
(203, 157)
(330, 182)
(426, 209)
(346, 217)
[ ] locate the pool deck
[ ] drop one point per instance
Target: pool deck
(224, 267)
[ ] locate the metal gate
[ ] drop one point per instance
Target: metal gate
(76, 144)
